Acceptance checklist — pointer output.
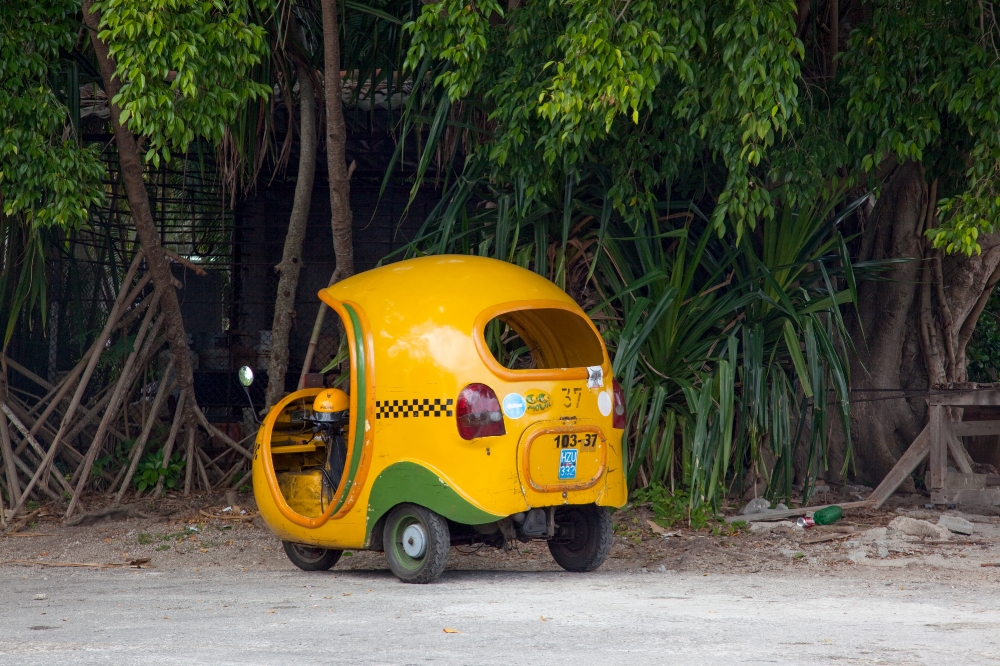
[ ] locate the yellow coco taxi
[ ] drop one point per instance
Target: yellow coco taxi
(438, 442)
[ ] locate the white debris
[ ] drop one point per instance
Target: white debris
(956, 524)
(918, 528)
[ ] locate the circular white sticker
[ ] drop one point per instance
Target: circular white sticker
(514, 405)
(604, 403)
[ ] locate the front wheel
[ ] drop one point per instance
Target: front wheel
(583, 537)
(311, 558)
(416, 542)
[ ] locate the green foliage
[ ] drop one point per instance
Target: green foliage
(674, 508)
(151, 470)
(185, 66)
(114, 458)
(983, 352)
(145, 538)
(47, 180)
(644, 88)
(924, 84)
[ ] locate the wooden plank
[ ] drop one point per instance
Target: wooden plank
(791, 513)
(959, 455)
(988, 497)
(938, 462)
(975, 428)
(907, 462)
(966, 398)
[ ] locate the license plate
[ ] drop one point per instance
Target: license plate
(567, 464)
(572, 440)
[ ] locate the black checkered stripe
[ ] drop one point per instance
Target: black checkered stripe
(394, 409)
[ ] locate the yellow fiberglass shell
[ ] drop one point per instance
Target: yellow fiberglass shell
(415, 336)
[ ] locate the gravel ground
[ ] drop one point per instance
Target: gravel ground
(222, 591)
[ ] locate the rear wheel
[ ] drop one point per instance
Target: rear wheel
(311, 558)
(416, 542)
(583, 537)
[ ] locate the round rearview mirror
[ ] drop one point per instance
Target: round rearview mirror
(246, 375)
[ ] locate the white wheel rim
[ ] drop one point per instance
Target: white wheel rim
(415, 541)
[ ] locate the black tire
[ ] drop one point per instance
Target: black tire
(311, 558)
(429, 564)
(590, 543)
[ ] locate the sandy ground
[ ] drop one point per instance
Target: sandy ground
(222, 591)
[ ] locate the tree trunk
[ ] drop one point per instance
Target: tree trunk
(912, 326)
(341, 218)
(291, 256)
(336, 147)
(130, 163)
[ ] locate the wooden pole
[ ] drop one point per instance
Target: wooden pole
(203, 475)
(166, 386)
(84, 380)
(168, 448)
(13, 484)
(125, 380)
(192, 462)
(31, 440)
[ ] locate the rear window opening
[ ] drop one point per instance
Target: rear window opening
(543, 339)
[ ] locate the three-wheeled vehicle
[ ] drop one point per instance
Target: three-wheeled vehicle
(436, 442)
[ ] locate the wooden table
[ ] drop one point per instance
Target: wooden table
(939, 438)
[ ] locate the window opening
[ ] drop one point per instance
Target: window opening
(542, 339)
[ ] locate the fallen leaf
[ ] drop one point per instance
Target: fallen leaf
(43, 553)
(543, 618)
(656, 528)
(204, 550)
(347, 594)
(449, 630)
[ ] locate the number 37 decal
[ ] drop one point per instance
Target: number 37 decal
(571, 397)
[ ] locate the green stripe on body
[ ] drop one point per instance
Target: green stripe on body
(360, 413)
(410, 482)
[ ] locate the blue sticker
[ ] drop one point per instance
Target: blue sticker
(514, 405)
(567, 464)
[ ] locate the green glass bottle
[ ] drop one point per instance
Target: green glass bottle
(829, 515)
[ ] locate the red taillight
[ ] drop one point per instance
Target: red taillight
(618, 413)
(478, 412)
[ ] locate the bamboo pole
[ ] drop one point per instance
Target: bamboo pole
(13, 484)
(215, 432)
(202, 474)
(84, 380)
(192, 461)
(168, 448)
(67, 384)
(125, 380)
(34, 443)
(163, 390)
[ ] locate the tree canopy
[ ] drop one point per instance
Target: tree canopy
(752, 95)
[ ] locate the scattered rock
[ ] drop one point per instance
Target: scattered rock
(781, 507)
(882, 550)
(857, 489)
(956, 524)
(817, 490)
(766, 528)
(758, 505)
(40, 597)
(874, 534)
(918, 528)
(857, 556)
(661, 569)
